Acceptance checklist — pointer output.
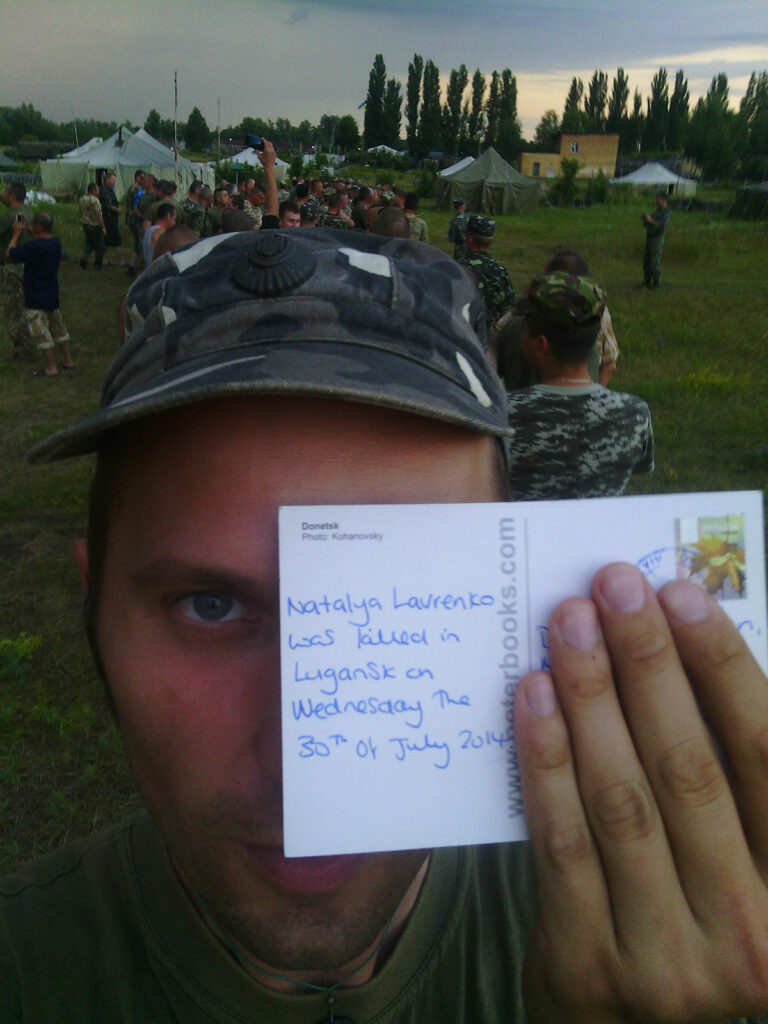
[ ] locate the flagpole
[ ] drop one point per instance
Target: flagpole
(175, 128)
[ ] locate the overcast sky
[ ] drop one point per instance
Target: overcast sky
(303, 58)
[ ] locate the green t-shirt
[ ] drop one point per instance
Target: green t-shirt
(102, 931)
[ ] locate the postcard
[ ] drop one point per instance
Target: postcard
(406, 628)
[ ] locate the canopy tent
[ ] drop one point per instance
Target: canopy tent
(124, 152)
(85, 148)
(6, 162)
(449, 172)
(489, 185)
(250, 157)
(657, 176)
(384, 149)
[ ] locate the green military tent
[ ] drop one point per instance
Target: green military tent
(489, 185)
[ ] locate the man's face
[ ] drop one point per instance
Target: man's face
(189, 638)
(290, 220)
(110, 180)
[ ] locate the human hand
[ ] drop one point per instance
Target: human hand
(19, 224)
(267, 156)
(650, 859)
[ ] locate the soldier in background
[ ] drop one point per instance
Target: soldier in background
(507, 343)
(571, 437)
(94, 230)
(492, 279)
(110, 211)
(11, 277)
(309, 213)
(457, 229)
(655, 226)
(194, 211)
(419, 230)
(133, 197)
(333, 217)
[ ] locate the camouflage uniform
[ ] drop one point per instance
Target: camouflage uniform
(254, 212)
(193, 214)
(91, 221)
(654, 246)
(578, 441)
(493, 283)
(12, 287)
(418, 228)
(332, 220)
(457, 233)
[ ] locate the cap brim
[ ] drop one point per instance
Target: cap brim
(347, 371)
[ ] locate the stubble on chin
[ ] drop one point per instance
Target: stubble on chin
(284, 931)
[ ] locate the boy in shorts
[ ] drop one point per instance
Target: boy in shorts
(41, 258)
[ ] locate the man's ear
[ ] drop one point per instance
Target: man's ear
(80, 551)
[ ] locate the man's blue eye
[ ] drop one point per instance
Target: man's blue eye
(213, 606)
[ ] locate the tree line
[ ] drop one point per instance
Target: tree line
(473, 115)
(480, 113)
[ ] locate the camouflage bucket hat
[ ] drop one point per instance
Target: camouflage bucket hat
(371, 319)
(483, 227)
(564, 300)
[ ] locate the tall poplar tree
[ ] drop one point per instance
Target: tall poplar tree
(657, 118)
(374, 103)
(391, 116)
(412, 96)
(678, 113)
(452, 110)
(595, 101)
(430, 115)
(617, 103)
(509, 140)
(573, 116)
(493, 111)
(476, 120)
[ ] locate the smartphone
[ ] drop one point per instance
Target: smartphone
(255, 142)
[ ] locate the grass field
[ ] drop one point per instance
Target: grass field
(696, 350)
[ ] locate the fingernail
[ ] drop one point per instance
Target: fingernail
(540, 695)
(623, 589)
(578, 626)
(686, 601)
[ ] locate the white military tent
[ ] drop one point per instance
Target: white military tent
(251, 157)
(653, 175)
(124, 153)
(449, 172)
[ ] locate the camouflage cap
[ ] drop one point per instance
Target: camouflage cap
(458, 201)
(383, 321)
(483, 227)
(309, 210)
(567, 301)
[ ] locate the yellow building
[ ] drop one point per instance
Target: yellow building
(595, 153)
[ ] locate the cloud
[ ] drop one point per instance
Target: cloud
(297, 16)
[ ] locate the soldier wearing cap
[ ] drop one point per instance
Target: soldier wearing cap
(572, 438)
(655, 226)
(492, 278)
(457, 229)
(312, 368)
(332, 217)
(309, 213)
